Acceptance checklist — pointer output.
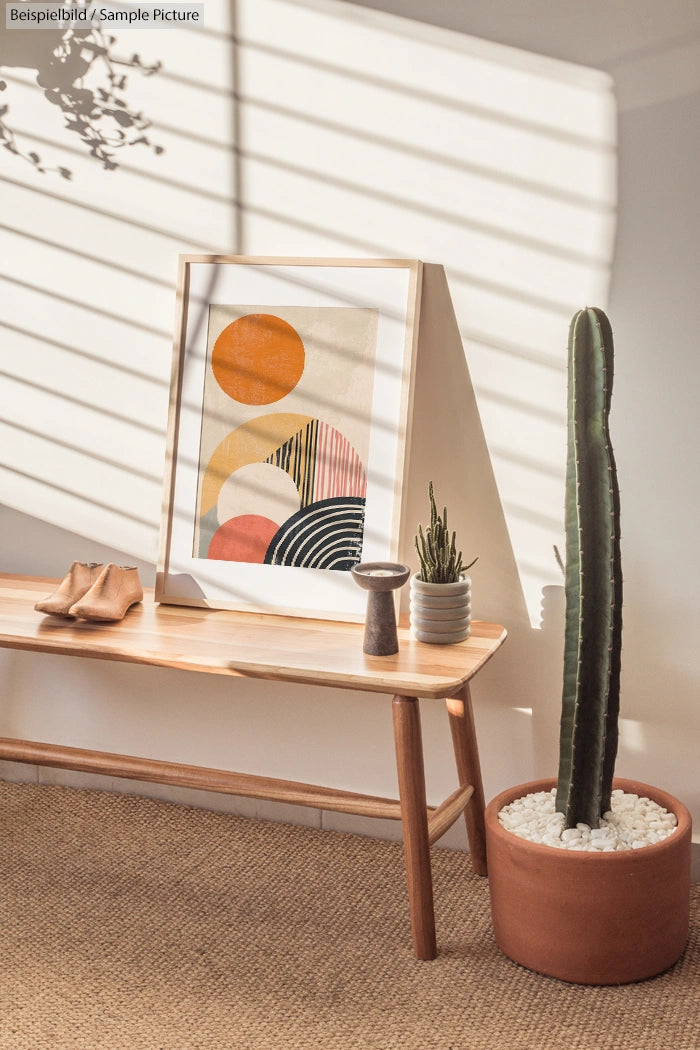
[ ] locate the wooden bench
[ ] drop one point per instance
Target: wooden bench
(282, 649)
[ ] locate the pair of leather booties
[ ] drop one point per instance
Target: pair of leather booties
(92, 591)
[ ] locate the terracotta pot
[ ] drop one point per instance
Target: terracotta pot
(441, 613)
(585, 917)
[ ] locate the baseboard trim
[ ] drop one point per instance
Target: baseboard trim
(255, 809)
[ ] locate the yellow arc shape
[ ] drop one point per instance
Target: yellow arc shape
(251, 442)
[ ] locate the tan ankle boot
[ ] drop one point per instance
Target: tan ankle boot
(77, 581)
(115, 590)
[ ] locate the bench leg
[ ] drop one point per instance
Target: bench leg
(469, 772)
(414, 816)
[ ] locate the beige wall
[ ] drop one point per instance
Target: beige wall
(543, 175)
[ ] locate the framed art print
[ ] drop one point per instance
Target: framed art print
(290, 405)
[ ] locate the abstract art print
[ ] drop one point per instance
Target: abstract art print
(285, 487)
(290, 397)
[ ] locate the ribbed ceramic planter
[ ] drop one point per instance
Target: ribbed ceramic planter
(441, 613)
(585, 917)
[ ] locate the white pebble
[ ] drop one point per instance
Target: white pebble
(631, 822)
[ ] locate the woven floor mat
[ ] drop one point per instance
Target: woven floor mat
(131, 923)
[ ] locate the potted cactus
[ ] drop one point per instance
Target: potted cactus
(441, 591)
(593, 911)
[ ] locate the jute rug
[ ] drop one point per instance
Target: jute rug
(129, 923)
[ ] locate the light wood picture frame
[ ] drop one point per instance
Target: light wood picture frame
(290, 408)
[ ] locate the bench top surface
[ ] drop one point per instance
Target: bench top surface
(244, 644)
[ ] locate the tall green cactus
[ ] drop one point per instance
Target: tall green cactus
(591, 689)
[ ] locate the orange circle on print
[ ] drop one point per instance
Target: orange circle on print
(258, 359)
(245, 538)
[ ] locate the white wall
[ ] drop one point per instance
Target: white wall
(319, 128)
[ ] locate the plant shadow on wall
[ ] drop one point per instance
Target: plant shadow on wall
(80, 73)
